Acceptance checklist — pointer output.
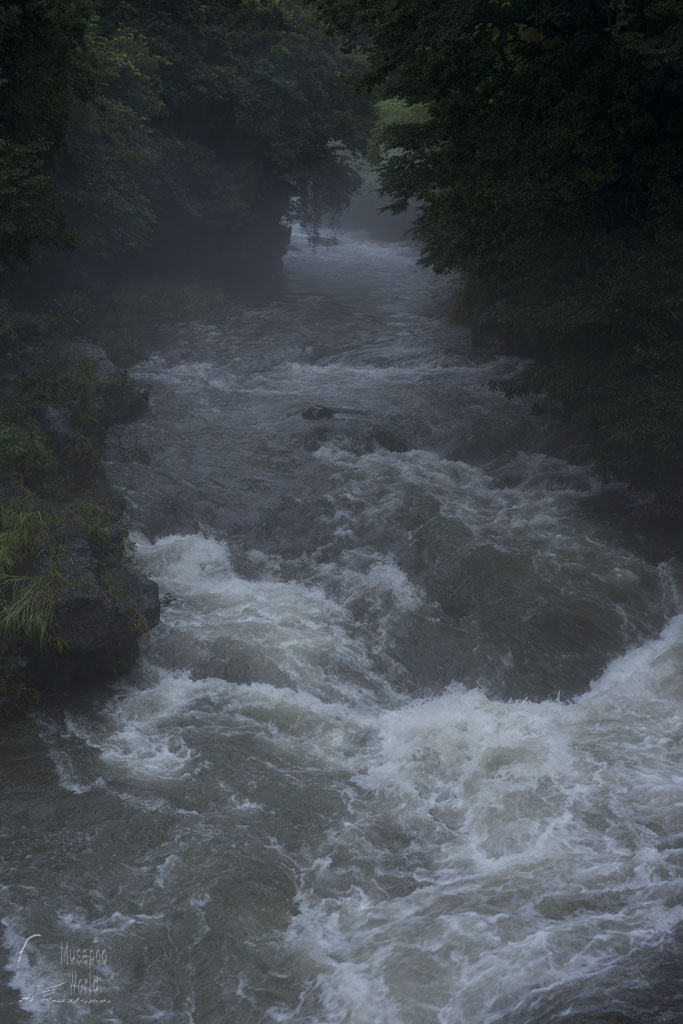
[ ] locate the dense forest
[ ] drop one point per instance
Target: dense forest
(168, 125)
(541, 143)
(547, 159)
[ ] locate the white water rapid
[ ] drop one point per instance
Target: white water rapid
(406, 747)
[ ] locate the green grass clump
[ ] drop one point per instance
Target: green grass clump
(23, 532)
(29, 607)
(28, 603)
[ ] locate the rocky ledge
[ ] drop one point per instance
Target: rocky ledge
(73, 605)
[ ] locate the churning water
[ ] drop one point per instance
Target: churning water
(406, 748)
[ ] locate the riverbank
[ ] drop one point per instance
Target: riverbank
(73, 606)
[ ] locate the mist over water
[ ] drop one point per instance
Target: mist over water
(406, 747)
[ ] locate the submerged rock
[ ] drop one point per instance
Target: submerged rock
(101, 615)
(102, 622)
(317, 412)
(361, 431)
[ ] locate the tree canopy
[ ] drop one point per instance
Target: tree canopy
(174, 123)
(46, 68)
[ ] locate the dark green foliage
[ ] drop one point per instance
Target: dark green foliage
(552, 165)
(209, 119)
(28, 601)
(24, 454)
(180, 125)
(113, 156)
(390, 112)
(46, 67)
(67, 381)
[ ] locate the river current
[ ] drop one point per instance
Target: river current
(406, 747)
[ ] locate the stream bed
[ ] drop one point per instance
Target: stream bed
(406, 746)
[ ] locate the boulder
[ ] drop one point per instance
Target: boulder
(101, 624)
(104, 369)
(137, 594)
(119, 399)
(85, 617)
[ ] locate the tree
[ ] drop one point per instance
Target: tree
(46, 68)
(188, 125)
(112, 159)
(255, 111)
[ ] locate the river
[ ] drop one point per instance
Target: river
(406, 747)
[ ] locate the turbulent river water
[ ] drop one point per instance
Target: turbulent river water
(406, 747)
